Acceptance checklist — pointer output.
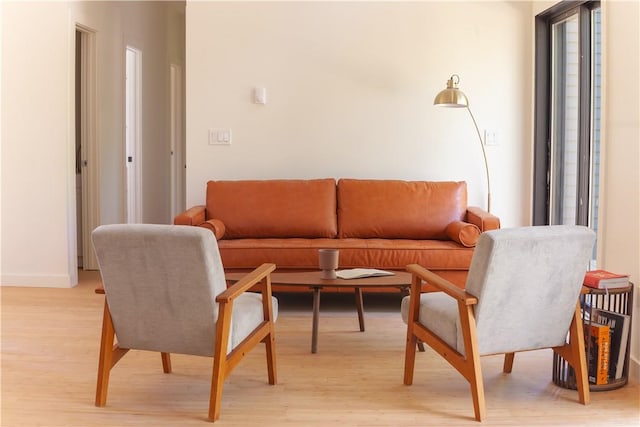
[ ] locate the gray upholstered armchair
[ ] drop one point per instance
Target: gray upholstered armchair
(521, 294)
(166, 292)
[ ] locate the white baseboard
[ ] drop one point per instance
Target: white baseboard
(38, 281)
(634, 370)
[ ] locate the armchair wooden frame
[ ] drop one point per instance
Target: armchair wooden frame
(223, 363)
(469, 364)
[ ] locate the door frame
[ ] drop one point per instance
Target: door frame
(177, 140)
(133, 137)
(89, 145)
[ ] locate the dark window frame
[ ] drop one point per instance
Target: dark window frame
(542, 109)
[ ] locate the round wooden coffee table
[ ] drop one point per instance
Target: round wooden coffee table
(312, 279)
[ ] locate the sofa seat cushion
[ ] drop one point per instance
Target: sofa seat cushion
(396, 209)
(274, 208)
(392, 254)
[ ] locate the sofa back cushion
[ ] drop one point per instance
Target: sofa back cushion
(274, 208)
(394, 209)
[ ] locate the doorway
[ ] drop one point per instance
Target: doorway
(133, 159)
(86, 160)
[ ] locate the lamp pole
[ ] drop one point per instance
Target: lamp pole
(484, 155)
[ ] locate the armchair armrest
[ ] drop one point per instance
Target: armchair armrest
(440, 284)
(192, 216)
(484, 220)
(247, 282)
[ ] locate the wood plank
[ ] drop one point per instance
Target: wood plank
(50, 343)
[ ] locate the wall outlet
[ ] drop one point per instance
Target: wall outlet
(491, 137)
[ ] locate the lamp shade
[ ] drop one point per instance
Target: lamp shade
(451, 96)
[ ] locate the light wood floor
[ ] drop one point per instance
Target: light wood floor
(49, 359)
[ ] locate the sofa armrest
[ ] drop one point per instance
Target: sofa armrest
(192, 216)
(484, 220)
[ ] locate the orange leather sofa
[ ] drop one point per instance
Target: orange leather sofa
(384, 224)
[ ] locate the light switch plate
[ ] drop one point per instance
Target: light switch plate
(219, 136)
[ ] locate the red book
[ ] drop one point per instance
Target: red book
(602, 279)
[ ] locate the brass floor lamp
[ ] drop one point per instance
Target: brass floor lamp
(453, 97)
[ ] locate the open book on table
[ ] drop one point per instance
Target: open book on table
(358, 273)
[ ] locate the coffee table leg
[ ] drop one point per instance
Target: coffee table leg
(316, 316)
(360, 308)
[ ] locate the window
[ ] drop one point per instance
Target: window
(567, 114)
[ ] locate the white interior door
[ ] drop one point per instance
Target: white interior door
(133, 159)
(177, 142)
(87, 210)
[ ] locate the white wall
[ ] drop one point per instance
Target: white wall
(35, 153)
(620, 215)
(38, 178)
(350, 88)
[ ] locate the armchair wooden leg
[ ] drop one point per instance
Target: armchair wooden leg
(217, 382)
(574, 353)
(219, 360)
(270, 344)
(105, 360)
(579, 363)
(508, 363)
(110, 354)
(166, 362)
(473, 371)
(477, 393)
(270, 339)
(412, 340)
(410, 356)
